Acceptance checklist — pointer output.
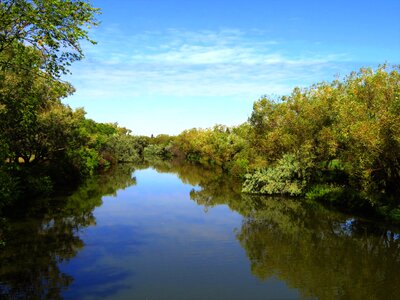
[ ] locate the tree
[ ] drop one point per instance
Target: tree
(27, 99)
(368, 128)
(39, 39)
(344, 133)
(53, 27)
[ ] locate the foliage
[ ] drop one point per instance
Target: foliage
(222, 146)
(286, 177)
(158, 147)
(328, 193)
(53, 27)
(153, 150)
(122, 148)
(354, 123)
(340, 134)
(340, 196)
(9, 188)
(368, 127)
(43, 142)
(30, 101)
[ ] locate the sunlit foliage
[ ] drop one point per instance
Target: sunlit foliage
(332, 141)
(44, 142)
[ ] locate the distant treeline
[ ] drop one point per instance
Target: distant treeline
(336, 142)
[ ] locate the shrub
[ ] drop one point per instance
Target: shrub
(340, 196)
(286, 177)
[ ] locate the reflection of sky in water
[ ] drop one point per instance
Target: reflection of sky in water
(153, 242)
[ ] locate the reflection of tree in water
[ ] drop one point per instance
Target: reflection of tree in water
(41, 235)
(188, 173)
(322, 253)
(215, 186)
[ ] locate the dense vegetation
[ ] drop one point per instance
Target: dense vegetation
(43, 142)
(337, 142)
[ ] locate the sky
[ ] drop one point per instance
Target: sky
(163, 66)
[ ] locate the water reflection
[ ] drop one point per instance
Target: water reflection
(321, 253)
(214, 186)
(38, 236)
(324, 254)
(188, 173)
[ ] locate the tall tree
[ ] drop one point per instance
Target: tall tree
(39, 39)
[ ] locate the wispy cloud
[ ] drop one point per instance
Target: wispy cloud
(203, 63)
(171, 80)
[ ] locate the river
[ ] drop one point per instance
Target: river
(174, 231)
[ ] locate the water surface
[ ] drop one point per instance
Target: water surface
(181, 232)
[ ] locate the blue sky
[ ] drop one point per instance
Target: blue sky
(162, 66)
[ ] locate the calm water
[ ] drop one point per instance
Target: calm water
(180, 232)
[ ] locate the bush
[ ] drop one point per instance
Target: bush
(326, 192)
(153, 150)
(87, 161)
(39, 186)
(9, 188)
(341, 196)
(239, 167)
(389, 213)
(286, 177)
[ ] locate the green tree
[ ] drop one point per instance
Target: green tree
(368, 129)
(28, 100)
(53, 27)
(38, 41)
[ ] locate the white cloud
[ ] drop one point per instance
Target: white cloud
(130, 79)
(204, 63)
